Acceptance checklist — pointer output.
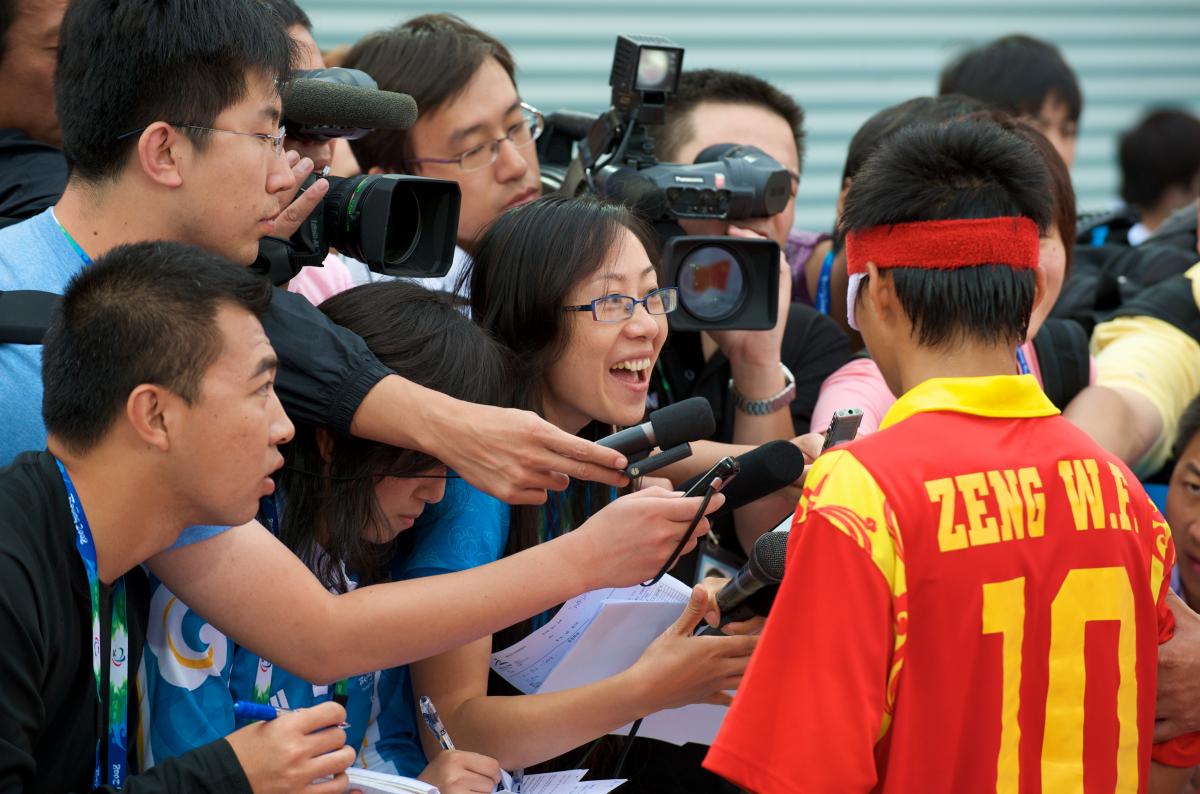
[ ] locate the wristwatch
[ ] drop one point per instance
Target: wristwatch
(769, 405)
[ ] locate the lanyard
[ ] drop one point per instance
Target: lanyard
(1022, 362)
(118, 667)
(823, 283)
(76, 247)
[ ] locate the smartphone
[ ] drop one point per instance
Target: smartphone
(843, 427)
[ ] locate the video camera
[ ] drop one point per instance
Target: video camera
(397, 224)
(724, 282)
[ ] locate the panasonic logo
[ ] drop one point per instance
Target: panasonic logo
(691, 180)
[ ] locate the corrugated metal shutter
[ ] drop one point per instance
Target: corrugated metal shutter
(842, 60)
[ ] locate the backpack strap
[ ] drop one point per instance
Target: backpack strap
(1063, 358)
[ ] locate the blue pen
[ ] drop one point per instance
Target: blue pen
(260, 711)
(435, 723)
(517, 776)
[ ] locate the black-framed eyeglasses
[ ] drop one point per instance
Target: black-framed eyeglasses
(275, 140)
(618, 308)
(520, 135)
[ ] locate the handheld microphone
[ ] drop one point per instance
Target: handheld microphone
(765, 567)
(764, 470)
(323, 109)
(25, 315)
(675, 424)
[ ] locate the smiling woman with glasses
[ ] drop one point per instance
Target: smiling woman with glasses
(539, 271)
(618, 308)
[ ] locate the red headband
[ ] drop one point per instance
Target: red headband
(944, 245)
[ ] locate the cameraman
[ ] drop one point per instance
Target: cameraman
(714, 106)
(473, 128)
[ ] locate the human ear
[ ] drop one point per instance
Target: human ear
(146, 409)
(880, 292)
(157, 153)
(1039, 287)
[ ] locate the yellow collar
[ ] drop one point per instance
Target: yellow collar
(995, 395)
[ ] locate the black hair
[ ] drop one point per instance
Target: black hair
(1161, 152)
(1016, 74)
(961, 169)
(123, 66)
(1062, 191)
(432, 58)
(719, 85)
(1189, 426)
(330, 493)
(525, 266)
(143, 313)
(885, 123)
(290, 13)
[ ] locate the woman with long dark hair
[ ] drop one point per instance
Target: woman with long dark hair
(570, 287)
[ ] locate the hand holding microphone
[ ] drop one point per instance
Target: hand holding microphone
(627, 542)
(764, 568)
(670, 428)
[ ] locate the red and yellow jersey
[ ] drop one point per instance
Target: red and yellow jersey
(973, 602)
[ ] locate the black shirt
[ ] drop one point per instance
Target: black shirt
(32, 175)
(50, 717)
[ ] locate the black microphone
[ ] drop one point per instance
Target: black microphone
(675, 424)
(764, 470)
(764, 568)
(25, 315)
(321, 108)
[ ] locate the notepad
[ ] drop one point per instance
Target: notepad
(369, 782)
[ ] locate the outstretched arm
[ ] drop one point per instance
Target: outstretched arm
(252, 588)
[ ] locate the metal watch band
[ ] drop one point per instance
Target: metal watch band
(771, 404)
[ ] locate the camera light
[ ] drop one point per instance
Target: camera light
(656, 70)
(645, 65)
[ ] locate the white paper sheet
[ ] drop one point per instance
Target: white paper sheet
(569, 782)
(527, 663)
(614, 640)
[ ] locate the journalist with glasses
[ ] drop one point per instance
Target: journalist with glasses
(473, 129)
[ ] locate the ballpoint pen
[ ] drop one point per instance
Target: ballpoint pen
(243, 710)
(435, 723)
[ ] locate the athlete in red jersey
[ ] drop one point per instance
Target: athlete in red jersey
(974, 594)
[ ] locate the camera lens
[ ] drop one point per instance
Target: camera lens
(404, 228)
(711, 283)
